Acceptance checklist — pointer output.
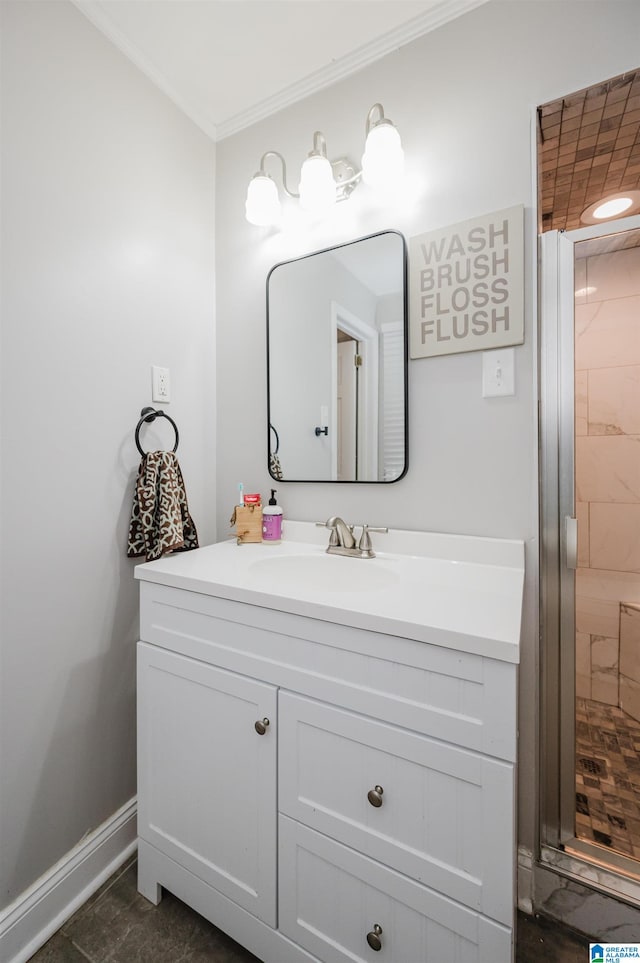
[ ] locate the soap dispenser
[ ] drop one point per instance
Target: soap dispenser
(272, 520)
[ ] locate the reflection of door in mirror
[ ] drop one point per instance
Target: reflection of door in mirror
(359, 419)
(356, 291)
(347, 408)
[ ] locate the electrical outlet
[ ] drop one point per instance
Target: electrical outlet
(160, 385)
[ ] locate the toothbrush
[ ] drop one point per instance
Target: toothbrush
(241, 494)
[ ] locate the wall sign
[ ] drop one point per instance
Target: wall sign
(467, 285)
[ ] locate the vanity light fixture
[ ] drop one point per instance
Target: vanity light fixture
(317, 185)
(613, 205)
(383, 158)
(324, 182)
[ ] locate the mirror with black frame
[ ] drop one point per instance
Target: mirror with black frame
(337, 363)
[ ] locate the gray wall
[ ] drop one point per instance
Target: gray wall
(463, 99)
(107, 268)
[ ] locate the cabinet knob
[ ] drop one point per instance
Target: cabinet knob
(261, 726)
(373, 938)
(375, 798)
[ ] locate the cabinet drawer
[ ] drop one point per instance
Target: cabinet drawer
(445, 816)
(332, 897)
(455, 696)
(206, 778)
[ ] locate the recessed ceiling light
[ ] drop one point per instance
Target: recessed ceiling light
(625, 202)
(610, 208)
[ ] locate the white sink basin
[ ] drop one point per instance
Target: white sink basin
(451, 590)
(323, 573)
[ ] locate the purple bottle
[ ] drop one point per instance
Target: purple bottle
(272, 520)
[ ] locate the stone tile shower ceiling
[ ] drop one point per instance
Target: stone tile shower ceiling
(589, 145)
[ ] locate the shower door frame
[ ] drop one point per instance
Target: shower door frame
(559, 845)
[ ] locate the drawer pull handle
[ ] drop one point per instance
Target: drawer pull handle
(261, 726)
(375, 798)
(373, 938)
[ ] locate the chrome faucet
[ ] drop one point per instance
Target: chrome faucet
(342, 541)
(341, 533)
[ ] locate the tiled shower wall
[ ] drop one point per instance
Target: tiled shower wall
(607, 357)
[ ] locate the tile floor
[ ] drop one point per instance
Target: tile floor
(117, 925)
(607, 777)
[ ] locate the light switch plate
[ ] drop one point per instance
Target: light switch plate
(498, 373)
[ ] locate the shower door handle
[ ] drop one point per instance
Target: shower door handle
(571, 541)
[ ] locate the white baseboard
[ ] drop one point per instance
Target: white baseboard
(35, 916)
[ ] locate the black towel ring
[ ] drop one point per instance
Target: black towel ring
(149, 415)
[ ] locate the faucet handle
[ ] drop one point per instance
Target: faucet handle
(333, 538)
(365, 542)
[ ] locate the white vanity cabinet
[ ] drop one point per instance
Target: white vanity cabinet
(372, 819)
(207, 780)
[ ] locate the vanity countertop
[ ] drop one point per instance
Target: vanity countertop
(457, 591)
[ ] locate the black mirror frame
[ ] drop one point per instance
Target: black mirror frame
(271, 431)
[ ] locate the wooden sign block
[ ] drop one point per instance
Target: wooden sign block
(248, 522)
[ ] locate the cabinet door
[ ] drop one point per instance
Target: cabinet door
(346, 908)
(440, 814)
(206, 777)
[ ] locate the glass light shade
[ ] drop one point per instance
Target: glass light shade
(317, 187)
(262, 206)
(383, 158)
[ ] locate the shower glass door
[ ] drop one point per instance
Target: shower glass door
(590, 457)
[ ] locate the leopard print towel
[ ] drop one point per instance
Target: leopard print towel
(275, 468)
(160, 519)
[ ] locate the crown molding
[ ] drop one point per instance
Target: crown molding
(437, 16)
(430, 20)
(94, 10)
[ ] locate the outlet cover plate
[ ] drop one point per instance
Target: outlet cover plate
(160, 385)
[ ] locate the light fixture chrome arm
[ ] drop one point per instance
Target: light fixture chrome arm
(319, 144)
(370, 123)
(262, 171)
